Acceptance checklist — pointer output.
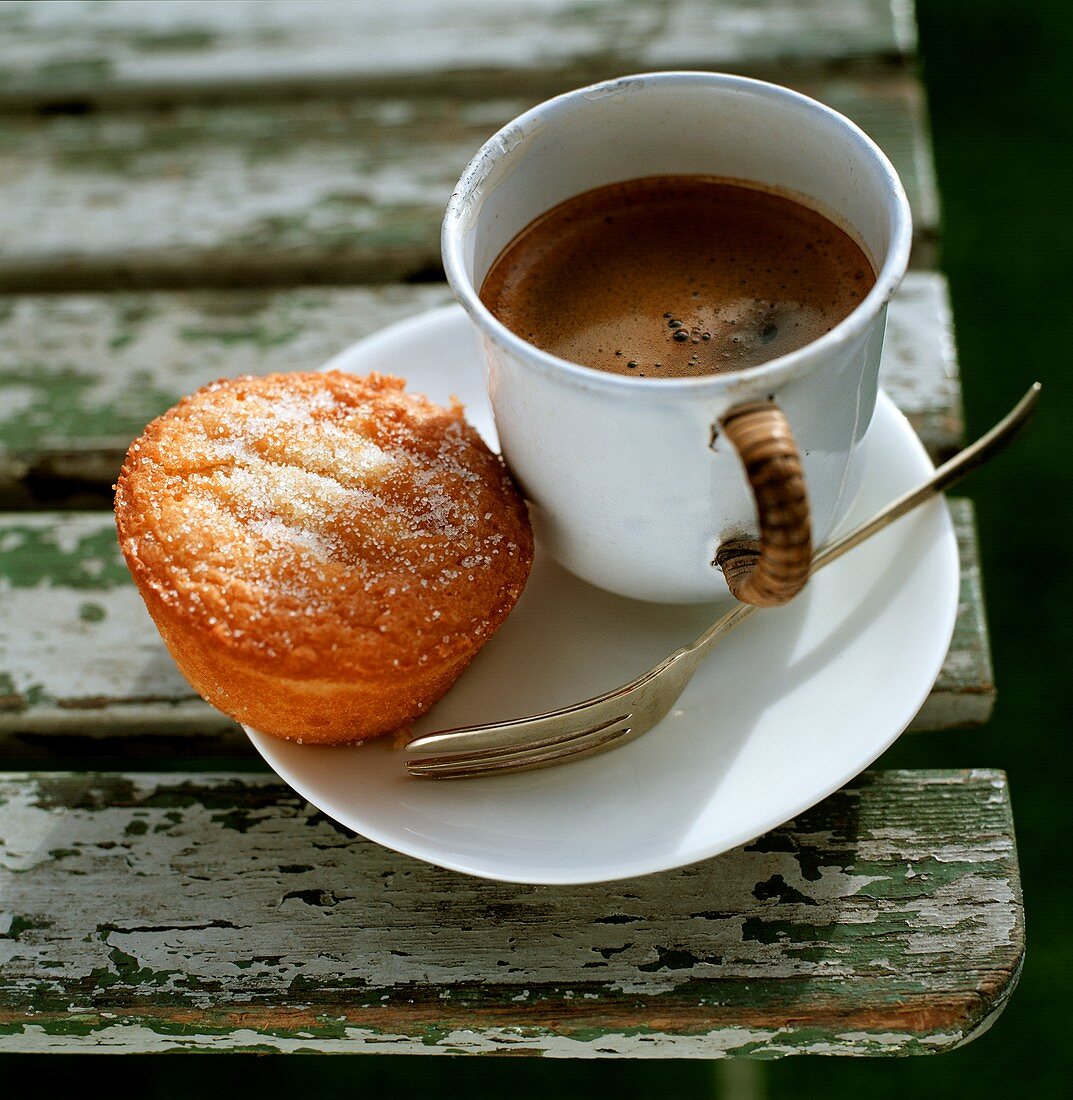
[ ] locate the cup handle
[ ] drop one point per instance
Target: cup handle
(769, 572)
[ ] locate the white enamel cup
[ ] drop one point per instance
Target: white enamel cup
(626, 487)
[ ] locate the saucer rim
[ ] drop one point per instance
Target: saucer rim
(551, 876)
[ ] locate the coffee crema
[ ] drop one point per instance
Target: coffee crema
(676, 276)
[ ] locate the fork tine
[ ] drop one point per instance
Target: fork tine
(572, 747)
(505, 748)
(520, 732)
(501, 747)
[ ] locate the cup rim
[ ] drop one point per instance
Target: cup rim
(852, 326)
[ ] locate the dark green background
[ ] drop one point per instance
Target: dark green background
(997, 75)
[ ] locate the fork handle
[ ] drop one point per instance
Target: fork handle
(951, 472)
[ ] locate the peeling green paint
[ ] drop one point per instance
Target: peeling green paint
(32, 556)
(62, 404)
(259, 336)
(9, 694)
(835, 948)
(24, 924)
(64, 73)
(772, 1045)
(128, 972)
(103, 791)
(788, 933)
(137, 311)
(12, 698)
(918, 879)
(333, 227)
(183, 40)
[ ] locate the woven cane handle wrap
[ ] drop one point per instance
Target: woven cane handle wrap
(769, 572)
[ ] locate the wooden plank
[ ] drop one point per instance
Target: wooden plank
(80, 657)
(920, 366)
(302, 192)
(153, 913)
(81, 375)
(964, 695)
(184, 49)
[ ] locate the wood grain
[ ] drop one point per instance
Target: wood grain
(81, 660)
(297, 192)
(165, 50)
(152, 913)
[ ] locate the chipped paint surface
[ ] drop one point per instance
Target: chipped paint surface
(79, 652)
(280, 192)
(158, 913)
(967, 678)
(75, 638)
(104, 1035)
(162, 912)
(87, 372)
(140, 49)
(81, 374)
(305, 186)
(920, 369)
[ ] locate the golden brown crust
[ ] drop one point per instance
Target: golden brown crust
(322, 554)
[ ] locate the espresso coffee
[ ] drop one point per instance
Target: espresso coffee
(676, 276)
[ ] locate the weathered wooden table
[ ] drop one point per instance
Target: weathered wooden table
(190, 190)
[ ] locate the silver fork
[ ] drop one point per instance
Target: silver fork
(618, 716)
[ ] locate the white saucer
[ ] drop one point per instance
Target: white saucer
(789, 708)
